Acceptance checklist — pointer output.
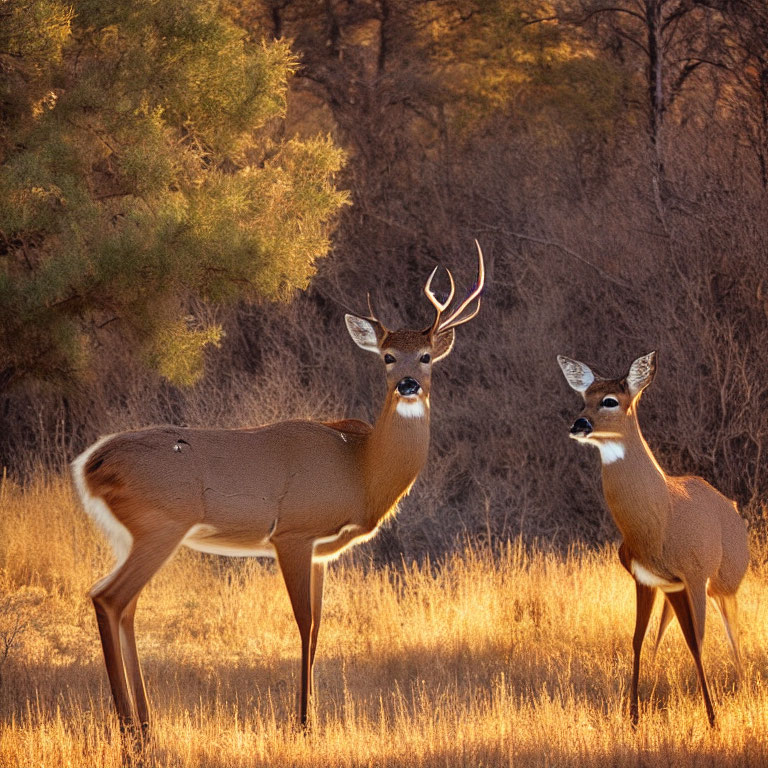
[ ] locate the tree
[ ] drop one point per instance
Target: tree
(140, 173)
(667, 40)
(743, 55)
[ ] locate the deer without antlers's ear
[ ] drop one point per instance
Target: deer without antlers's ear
(641, 373)
(577, 374)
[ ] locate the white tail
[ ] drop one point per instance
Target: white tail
(680, 535)
(300, 491)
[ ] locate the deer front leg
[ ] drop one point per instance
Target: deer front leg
(645, 598)
(690, 607)
(295, 559)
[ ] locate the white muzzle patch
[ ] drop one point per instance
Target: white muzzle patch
(411, 408)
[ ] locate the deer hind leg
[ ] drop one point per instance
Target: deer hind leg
(666, 616)
(114, 600)
(133, 667)
(295, 560)
(109, 631)
(727, 607)
(690, 607)
(318, 579)
(645, 598)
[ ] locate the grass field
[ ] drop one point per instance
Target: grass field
(517, 658)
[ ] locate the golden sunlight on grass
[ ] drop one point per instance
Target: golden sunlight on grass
(518, 659)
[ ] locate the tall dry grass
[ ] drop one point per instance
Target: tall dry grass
(512, 657)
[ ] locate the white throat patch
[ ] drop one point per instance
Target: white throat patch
(610, 450)
(411, 409)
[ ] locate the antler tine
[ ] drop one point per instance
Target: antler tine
(372, 315)
(440, 306)
(455, 318)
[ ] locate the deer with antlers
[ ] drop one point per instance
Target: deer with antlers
(299, 491)
(680, 535)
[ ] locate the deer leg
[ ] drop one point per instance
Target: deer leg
(318, 578)
(645, 598)
(295, 559)
(133, 667)
(625, 557)
(107, 619)
(111, 601)
(727, 606)
(690, 606)
(666, 616)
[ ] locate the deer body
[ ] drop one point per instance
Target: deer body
(299, 491)
(239, 491)
(673, 526)
(680, 535)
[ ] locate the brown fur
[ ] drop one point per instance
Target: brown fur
(302, 491)
(680, 530)
(276, 488)
(351, 426)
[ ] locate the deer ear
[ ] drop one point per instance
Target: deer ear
(442, 344)
(363, 333)
(641, 373)
(577, 374)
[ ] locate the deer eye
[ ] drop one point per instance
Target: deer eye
(426, 358)
(389, 359)
(609, 402)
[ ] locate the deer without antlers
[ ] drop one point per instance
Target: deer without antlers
(299, 491)
(680, 535)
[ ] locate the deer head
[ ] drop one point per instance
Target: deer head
(609, 404)
(409, 354)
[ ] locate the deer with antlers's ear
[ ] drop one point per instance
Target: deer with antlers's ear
(299, 491)
(681, 535)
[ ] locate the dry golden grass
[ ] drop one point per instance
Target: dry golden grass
(520, 659)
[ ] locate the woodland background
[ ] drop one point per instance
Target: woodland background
(192, 193)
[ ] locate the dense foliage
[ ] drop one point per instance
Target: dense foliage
(141, 170)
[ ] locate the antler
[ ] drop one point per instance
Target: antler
(440, 306)
(372, 314)
(455, 318)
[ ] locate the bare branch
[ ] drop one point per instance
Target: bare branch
(571, 253)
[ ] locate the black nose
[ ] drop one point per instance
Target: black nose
(581, 427)
(408, 386)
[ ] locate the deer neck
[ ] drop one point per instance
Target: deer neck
(394, 454)
(636, 491)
